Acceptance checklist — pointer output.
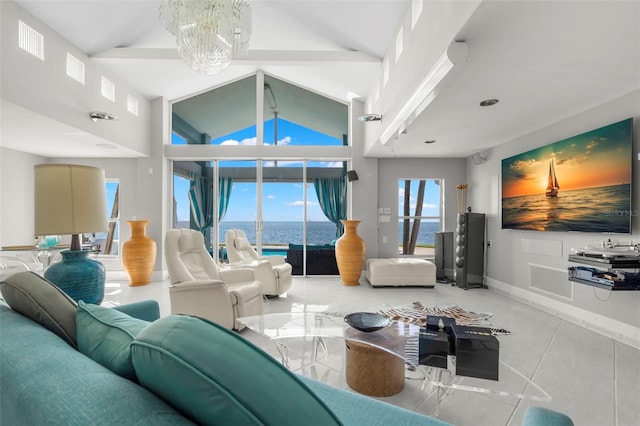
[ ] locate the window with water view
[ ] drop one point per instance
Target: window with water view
(419, 214)
(272, 200)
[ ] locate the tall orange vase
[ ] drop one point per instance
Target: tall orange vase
(139, 253)
(350, 252)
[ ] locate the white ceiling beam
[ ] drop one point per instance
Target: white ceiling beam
(255, 57)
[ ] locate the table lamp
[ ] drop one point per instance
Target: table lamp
(71, 199)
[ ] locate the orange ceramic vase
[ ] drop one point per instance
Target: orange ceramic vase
(350, 252)
(139, 253)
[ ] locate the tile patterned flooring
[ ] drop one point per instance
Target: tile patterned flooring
(593, 379)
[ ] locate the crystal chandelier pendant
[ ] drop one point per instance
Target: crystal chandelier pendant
(205, 35)
(169, 15)
(209, 33)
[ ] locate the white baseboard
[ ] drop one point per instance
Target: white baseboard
(606, 326)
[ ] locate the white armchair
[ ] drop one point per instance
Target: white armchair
(199, 287)
(272, 271)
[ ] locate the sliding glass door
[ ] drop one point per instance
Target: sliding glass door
(284, 207)
(236, 200)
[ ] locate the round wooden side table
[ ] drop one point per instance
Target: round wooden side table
(372, 371)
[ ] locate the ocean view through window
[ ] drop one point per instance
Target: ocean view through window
(419, 214)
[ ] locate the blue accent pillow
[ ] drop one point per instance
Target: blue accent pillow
(105, 335)
(214, 376)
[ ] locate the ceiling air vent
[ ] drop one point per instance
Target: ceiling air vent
(75, 68)
(30, 40)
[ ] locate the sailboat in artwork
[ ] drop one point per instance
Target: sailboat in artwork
(552, 183)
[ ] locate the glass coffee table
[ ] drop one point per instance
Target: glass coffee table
(399, 340)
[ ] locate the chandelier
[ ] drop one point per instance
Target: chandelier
(209, 33)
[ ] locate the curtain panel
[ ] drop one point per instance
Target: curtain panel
(332, 195)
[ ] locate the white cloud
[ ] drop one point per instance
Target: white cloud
(271, 197)
(247, 141)
(252, 141)
(284, 141)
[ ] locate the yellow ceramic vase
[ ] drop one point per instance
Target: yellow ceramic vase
(350, 252)
(139, 253)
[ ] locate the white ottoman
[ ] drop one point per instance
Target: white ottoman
(400, 272)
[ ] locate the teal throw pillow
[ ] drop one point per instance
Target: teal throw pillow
(105, 335)
(214, 376)
(40, 300)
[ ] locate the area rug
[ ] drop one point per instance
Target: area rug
(417, 314)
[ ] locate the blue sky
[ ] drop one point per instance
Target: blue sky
(430, 202)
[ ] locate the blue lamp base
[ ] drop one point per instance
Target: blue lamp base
(78, 276)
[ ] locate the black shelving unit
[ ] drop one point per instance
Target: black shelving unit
(608, 263)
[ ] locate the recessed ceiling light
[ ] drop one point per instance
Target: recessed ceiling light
(430, 141)
(489, 102)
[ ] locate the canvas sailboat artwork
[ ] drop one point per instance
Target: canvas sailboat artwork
(552, 184)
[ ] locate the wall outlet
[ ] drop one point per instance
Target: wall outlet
(384, 239)
(488, 243)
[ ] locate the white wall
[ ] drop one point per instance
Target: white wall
(364, 191)
(513, 252)
(439, 23)
(16, 195)
(42, 86)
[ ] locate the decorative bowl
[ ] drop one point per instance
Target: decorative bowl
(367, 321)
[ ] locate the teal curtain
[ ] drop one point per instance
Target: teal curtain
(224, 192)
(200, 201)
(332, 195)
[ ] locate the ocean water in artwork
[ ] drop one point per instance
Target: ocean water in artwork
(602, 209)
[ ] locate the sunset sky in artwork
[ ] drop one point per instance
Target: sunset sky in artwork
(601, 157)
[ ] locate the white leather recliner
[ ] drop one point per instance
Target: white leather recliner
(200, 288)
(272, 271)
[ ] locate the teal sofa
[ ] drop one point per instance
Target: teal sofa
(127, 366)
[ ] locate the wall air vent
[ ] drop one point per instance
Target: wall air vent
(30, 40)
(75, 68)
(132, 105)
(108, 89)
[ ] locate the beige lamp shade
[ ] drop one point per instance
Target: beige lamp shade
(69, 199)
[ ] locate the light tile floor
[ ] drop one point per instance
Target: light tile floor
(593, 379)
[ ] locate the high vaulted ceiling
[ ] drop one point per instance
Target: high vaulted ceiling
(544, 60)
